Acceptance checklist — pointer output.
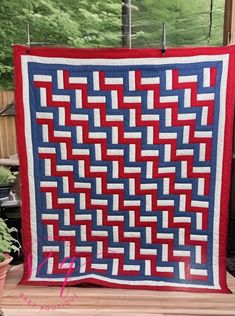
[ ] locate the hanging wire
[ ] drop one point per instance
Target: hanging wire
(189, 17)
(196, 28)
(192, 15)
(176, 20)
(183, 30)
(145, 41)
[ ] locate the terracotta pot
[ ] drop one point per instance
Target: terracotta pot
(3, 271)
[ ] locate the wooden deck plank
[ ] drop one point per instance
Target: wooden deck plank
(24, 300)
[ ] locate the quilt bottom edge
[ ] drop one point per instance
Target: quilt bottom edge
(109, 284)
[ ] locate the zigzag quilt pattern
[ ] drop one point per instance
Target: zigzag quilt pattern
(124, 166)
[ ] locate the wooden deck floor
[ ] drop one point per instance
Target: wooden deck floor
(21, 300)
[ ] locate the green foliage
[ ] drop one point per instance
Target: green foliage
(84, 23)
(7, 242)
(187, 23)
(6, 176)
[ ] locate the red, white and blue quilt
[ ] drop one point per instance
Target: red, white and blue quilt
(125, 165)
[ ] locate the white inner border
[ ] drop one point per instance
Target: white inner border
(122, 62)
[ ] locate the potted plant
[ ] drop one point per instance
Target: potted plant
(7, 244)
(7, 178)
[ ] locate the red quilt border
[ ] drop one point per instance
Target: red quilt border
(88, 53)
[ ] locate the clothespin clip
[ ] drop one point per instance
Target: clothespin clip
(163, 50)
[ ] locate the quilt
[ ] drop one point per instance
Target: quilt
(125, 162)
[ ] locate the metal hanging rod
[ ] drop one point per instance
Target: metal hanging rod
(28, 35)
(163, 50)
